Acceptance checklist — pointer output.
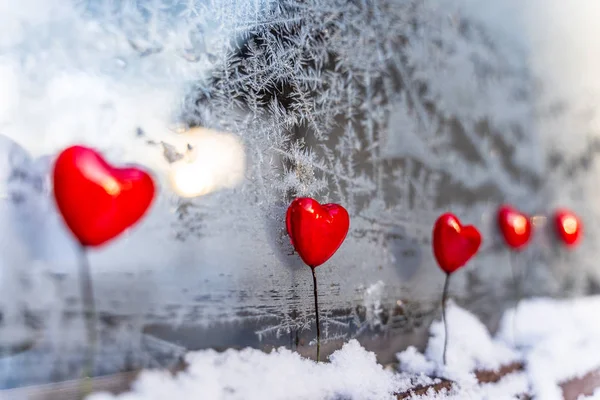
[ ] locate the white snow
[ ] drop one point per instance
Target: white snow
(470, 344)
(558, 340)
(470, 348)
(282, 374)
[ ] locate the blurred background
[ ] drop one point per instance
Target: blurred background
(399, 110)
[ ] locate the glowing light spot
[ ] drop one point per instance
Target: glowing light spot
(570, 225)
(455, 225)
(191, 180)
(111, 187)
(520, 224)
(217, 161)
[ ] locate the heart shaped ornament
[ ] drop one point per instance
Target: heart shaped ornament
(97, 201)
(453, 244)
(316, 231)
(515, 227)
(569, 228)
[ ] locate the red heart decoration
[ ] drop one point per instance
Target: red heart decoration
(454, 244)
(568, 226)
(316, 231)
(98, 201)
(514, 226)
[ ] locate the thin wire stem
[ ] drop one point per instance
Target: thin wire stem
(444, 298)
(317, 314)
(89, 315)
(512, 260)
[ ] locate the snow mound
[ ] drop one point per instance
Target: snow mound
(248, 374)
(470, 347)
(559, 340)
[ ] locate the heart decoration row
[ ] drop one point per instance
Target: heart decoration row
(98, 202)
(317, 231)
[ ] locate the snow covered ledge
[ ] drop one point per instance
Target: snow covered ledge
(251, 374)
(541, 354)
(552, 346)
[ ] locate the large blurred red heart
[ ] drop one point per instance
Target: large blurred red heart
(98, 201)
(569, 228)
(514, 226)
(454, 244)
(316, 231)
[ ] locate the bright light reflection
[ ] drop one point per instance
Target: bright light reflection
(217, 161)
(570, 225)
(520, 224)
(455, 225)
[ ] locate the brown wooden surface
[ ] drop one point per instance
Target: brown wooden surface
(489, 376)
(420, 390)
(585, 385)
(483, 376)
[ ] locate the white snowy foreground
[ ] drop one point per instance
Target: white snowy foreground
(556, 340)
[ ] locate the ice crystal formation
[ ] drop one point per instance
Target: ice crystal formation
(397, 109)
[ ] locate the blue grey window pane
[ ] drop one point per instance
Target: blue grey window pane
(398, 110)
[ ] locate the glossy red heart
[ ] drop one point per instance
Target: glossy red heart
(514, 226)
(316, 231)
(454, 244)
(569, 228)
(97, 201)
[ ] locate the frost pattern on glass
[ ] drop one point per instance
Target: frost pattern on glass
(398, 110)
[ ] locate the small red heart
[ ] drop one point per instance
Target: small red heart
(514, 226)
(316, 231)
(454, 244)
(568, 226)
(98, 201)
